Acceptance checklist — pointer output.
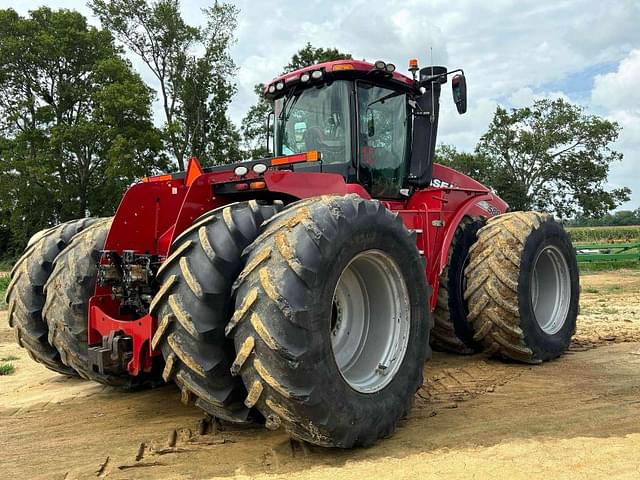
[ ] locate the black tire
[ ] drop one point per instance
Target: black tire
(26, 296)
(511, 252)
(452, 330)
(69, 288)
(282, 325)
(194, 305)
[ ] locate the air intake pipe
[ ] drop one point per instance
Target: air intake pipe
(425, 125)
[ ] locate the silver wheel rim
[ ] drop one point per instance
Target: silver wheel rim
(370, 321)
(550, 289)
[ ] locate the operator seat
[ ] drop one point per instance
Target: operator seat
(313, 138)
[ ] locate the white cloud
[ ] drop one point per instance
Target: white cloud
(526, 96)
(619, 90)
(616, 95)
(463, 131)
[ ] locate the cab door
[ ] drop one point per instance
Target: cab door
(383, 139)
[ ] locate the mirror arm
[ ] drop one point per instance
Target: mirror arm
(433, 78)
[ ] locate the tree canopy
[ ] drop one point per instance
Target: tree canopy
(192, 66)
(75, 122)
(310, 55)
(254, 124)
(551, 156)
(618, 218)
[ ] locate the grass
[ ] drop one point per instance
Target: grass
(613, 235)
(7, 368)
(9, 358)
(6, 265)
(4, 284)
(588, 267)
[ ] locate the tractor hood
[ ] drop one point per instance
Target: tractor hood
(239, 171)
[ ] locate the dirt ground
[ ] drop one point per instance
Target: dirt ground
(576, 417)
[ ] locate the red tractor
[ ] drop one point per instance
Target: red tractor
(300, 290)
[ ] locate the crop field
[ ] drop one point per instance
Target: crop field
(605, 234)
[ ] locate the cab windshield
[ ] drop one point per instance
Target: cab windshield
(315, 119)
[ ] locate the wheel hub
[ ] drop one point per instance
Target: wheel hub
(551, 289)
(370, 321)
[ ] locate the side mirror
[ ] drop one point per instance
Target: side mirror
(371, 128)
(459, 89)
(271, 116)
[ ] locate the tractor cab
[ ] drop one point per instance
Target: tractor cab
(370, 123)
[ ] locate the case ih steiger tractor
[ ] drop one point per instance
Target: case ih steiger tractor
(300, 290)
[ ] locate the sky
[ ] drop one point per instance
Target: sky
(512, 51)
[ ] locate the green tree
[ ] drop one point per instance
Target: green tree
(254, 124)
(619, 218)
(75, 122)
(192, 66)
(477, 166)
(551, 156)
(310, 55)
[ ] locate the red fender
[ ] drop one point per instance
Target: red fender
(486, 205)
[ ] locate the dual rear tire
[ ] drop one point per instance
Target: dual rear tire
(26, 293)
(510, 288)
(523, 287)
(452, 330)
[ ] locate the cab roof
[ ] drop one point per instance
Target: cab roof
(346, 69)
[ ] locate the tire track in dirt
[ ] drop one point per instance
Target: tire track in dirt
(445, 387)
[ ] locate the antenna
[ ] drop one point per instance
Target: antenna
(433, 106)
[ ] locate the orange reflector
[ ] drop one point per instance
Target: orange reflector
(257, 185)
(311, 156)
(159, 178)
(342, 66)
(279, 161)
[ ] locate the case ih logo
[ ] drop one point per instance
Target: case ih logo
(436, 182)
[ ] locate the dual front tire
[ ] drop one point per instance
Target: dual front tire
(331, 326)
(329, 311)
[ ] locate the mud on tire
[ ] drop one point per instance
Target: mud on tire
(286, 322)
(452, 330)
(194, 305)
(68, 290)
(523, 287)
(26, 296)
